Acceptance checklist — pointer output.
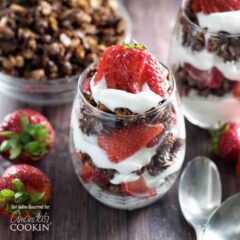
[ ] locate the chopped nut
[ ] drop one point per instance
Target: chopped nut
(17, 8)
(53, 23)
(65, 40)
(19, 61)
(37, 74)
(80, 53)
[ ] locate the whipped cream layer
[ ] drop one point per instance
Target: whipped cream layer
(115, 98)
(212, 109)
(202, 60)
(222, 21)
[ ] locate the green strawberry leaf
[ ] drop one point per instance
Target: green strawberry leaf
(36, 148)
(7, 194)
(21, 197)
(5, 146)
(18, 185)
(38, 198)
(15, 152)
(7, 134)
(24, 122)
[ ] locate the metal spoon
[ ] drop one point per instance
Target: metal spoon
(200, 192)
(224, 224)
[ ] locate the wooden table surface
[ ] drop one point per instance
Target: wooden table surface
(74, 213)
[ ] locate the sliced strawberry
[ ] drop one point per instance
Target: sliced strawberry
(212, 79)
(87, 172)
(236, 90)
(215, 6)
(138, 189)
(99, 178)
(25, 136)
(153, 74)
(128, 68)
(123, 143)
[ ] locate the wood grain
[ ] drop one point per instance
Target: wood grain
(74, 213)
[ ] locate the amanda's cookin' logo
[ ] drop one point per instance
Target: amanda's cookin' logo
(38, 222)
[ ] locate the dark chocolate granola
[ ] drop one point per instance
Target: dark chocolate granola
(187, 83)
(223, 44)
(50, 39)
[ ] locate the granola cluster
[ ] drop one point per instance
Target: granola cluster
(50, 39)
(223, 44)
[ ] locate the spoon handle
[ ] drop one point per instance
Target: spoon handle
(199, 232)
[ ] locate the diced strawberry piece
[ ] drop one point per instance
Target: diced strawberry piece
(137, 189)
(123, 143)
(236, 90)
(99, 178)
(215, 6)
(87, 172)
(212, 79)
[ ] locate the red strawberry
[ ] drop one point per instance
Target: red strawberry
(212, 79)
(23, 184)
(214, 6)
(236, 90)
(129, 67)
(88, 174)
(137, 189)
(123, 143)
(226, 142)
(25, 136)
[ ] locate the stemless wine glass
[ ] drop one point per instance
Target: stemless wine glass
(207, 69)
(145, 176)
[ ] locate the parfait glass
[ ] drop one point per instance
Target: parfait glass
(145, 176)
(206, 65)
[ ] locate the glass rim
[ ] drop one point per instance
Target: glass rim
(105, 115)
(6, 78)
(203, 30)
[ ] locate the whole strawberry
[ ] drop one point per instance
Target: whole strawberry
(23, 185)
(226, 142)
(25, 136)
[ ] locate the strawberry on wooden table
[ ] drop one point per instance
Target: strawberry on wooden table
(226, 142)
(123, 143)
(25, 136)
(23, 184)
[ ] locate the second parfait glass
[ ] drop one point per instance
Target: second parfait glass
(206, 65)
(143, 177)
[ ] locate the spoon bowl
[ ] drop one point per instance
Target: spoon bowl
(224, 224)
(200, 192)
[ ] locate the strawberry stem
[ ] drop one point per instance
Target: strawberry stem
(33, 139)
(135, 45)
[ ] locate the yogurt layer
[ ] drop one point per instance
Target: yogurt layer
(89, 145)
(223, 21)
(202, 60)
(211, 110)
(114, 98)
